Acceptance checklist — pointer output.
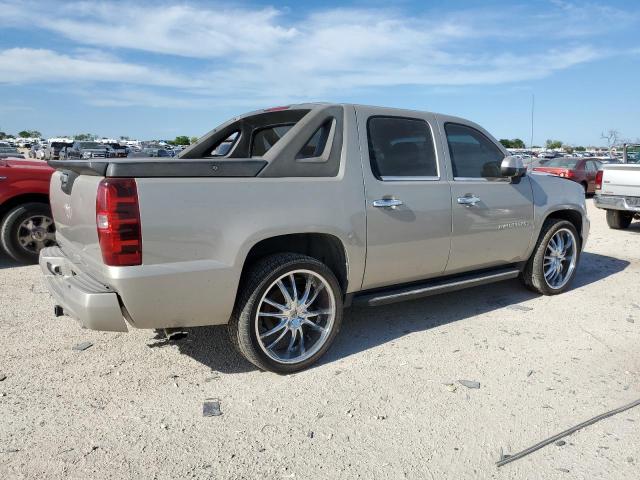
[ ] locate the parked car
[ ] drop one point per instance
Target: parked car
(52, 150)
(10, 152)
(618, 192)
(119, 151)
(26, 225)
(314, 207)
(580, 170)
(84, 150)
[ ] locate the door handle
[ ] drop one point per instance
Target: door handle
(388, 203)
(468, 200)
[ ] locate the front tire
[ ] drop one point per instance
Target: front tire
(288, 313)
(619, 220)
(26, 230)
(552, 266)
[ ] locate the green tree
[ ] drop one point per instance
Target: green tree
(34, 134)
(181, 140)
(84, 137)
(515, 143)
(551, 144)
(580, 149)
(24, 134)
(3, 135)
(193, 139)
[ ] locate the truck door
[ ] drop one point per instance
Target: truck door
(408, 199)
(492, 216)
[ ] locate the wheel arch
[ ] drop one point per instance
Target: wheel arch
(570, 215)
(13, 202)
(324, 247)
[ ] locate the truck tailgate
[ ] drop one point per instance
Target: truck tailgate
(73, 204)
(621, 179)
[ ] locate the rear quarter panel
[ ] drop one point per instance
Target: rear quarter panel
(197, 233)
(23, 179)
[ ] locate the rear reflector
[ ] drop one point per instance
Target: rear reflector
(118, 222)
(599, 180)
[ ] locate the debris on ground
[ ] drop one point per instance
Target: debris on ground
(3, 377)
(561, 443)
(211, 408)
(529, 373)
(569, 431)
(82, 346)
(175, 334)
(310, 434)
(520, 308)
(469, 383)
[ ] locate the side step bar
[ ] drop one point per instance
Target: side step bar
(433, 287)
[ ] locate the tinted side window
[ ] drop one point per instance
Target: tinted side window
(401, 147)
(315, 146)
(267, 137)
(224, 146)
(472, 154)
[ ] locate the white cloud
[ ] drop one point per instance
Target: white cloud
(237, 54)
(27, 65)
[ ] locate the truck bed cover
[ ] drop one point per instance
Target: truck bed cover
(153, 167)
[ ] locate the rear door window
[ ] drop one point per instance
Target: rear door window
(401, 147)
(473, 155)
(267, 137)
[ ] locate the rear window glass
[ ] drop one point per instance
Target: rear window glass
(401, 147)
(267, 137)
(561, 162)
(316, 144)
(224, 147)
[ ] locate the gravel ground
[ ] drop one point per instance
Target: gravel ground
(384, 403)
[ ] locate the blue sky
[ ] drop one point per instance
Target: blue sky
(160, 69)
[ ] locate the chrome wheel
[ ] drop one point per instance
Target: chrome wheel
(560, 258)
(36, 232)
(295, 316)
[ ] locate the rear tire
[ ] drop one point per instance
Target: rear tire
(533, 275)
(299, 337)
(618, 220)
(23, 240)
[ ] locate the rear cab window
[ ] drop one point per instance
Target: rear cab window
(401, 148)
(265, 138)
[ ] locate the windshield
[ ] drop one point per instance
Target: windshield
(90, 145)
(562, 162)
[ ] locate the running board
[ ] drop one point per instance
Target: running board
(433, 287)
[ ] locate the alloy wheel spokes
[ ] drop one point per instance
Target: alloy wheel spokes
(560, 258)
(36, 232)
(295, 316)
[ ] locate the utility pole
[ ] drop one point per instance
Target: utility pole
(533, 101)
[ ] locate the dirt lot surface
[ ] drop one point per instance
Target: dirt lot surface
(384, 403)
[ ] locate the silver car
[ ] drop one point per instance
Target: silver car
(306, 210)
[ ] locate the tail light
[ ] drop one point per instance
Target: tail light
(599, 180)
(570, 174)
(118, 222)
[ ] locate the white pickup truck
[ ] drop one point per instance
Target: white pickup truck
(618, 192)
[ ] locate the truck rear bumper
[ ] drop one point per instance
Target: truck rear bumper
(616, 202)
(94, 305)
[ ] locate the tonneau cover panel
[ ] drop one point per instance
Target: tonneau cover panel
(152, 167)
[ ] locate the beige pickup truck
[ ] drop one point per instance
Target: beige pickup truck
(278, 219)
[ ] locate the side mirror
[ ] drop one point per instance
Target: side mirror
(512, 167)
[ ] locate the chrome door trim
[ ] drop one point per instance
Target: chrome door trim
(409, 179)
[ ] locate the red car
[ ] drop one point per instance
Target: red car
(26, 225)
(580, 170)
